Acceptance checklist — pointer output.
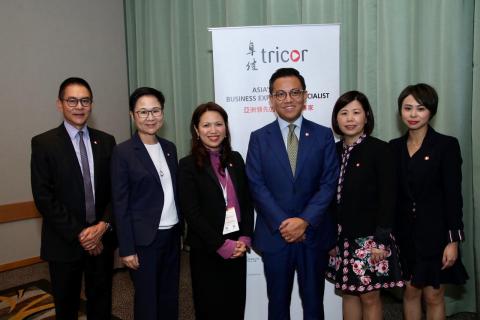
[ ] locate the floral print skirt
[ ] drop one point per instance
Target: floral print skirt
(352, 269)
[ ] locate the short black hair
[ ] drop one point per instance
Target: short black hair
(145, 91)
(286, 72)
(345, 99)
(73, 80)
(424, 94)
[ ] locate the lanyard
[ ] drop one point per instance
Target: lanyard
(224, 188)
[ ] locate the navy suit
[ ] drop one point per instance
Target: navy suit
(278, 195)
(137, 204)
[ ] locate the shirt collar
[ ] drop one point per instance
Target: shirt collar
(284, 124)
(72, 131)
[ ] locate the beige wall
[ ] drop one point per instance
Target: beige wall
(42, 43)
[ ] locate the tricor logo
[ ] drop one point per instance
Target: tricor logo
(280, 55)
(276, 55)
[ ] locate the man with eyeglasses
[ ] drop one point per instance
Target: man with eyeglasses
(70, 173)
(292, 168)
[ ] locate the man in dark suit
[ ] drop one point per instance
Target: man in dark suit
(70, 175)
(292, 169)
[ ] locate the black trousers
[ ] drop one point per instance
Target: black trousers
(157, 279)
(66, 279)
(219, 285)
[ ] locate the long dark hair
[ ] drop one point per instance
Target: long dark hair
(199, 151)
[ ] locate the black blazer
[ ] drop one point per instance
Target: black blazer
(57, 187)
(367, 205)
(430, 193)
(203, 204)
(137, 193)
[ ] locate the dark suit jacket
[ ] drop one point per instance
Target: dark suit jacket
(430, 192)
(137, 194)
(203, 204)
(279, 195)
(57, 187)
(367, 206)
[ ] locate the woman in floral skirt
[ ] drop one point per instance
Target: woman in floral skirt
(366, 257)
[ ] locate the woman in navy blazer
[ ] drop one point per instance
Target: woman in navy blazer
(214, 198)
(143, 193)
(429, 210)
(366, 257)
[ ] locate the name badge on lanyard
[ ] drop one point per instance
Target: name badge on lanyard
(231, 221)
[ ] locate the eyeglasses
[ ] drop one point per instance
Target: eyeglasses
(295, 94)
(73, 102)
(143, 113)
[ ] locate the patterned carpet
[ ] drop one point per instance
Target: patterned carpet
(33, 294)
(30, 301)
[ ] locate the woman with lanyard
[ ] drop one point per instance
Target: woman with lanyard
(366, 258)
(215, 201)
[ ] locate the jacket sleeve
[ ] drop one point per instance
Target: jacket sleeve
(108, 214)
(316, 209)
(246, 223)
(451, 170)
(190, 205)
(386, 186)
(265, 203)
(120, 198)
(43, 178)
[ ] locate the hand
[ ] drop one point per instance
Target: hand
(131, 261)
(450, 255)
(239, 250)
(378, 255)
(333, 252)
(293, 229)
(89, 237)
(97, 250)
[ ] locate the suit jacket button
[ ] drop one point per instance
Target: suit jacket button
(413, 210)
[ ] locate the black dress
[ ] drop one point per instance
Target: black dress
(429, 208)
(364, 210)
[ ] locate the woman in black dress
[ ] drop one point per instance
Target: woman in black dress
(429, 211)
(366, 257)
(215, 201)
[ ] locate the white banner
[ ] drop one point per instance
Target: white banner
(244, 58)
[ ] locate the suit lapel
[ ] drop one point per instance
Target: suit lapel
(94, 142)
(170, 158)
(422, 157)
(404, 161)
(304, 146)
(232, 172)
(232, 176)
(142, 154)
(67, 146)
(212, 175)
(277, 144)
